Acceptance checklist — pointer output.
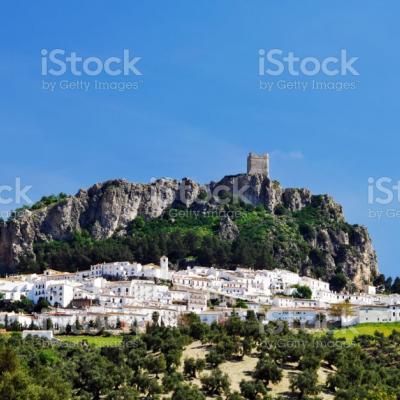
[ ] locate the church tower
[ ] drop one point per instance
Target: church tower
(164, 268)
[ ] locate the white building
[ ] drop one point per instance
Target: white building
(14, 290)
(57, 292)
(379, 313)
(134, 292)
(314, 284)
(306, 315)
(291, 302)
(370, 289)
(8, 318)
(126, 270)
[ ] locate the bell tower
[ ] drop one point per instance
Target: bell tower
(164, 268)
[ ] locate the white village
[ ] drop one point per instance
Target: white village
(125, 296)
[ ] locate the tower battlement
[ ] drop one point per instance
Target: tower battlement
(258, 164)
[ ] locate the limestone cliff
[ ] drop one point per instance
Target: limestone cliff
(106, 210)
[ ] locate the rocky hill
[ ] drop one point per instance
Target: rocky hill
(245, 220)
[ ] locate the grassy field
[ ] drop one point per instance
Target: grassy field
(366, 329)
(98, 341)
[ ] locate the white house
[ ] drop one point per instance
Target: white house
(14, 290)
(379, 313)
(285, 302)
(23, 319)
(57, 293)
(314, 284)
(370, 289)
(304, 315)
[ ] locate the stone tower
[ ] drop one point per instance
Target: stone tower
(258, 164)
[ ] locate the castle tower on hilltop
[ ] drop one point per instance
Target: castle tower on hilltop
(258, 164)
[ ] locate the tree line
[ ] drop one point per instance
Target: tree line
(151, 365)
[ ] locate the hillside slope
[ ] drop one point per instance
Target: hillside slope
(245, 220)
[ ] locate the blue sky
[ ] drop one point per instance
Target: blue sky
(198, 110)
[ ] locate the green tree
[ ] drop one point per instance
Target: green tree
(123, 393)
(396, 286)
(234, 396)
(338, 282)
(187, 392)
(309, 361)
(155, 317)
(214, 358)
(302, 292)
(267, 371)
(215, 383)
(78, 325)
(96, 375)
(156, 364)
(252, 390)
(191, 366)
(240, 303)
(49, 324)
(42, 304)
(172, 380)
(305, 383)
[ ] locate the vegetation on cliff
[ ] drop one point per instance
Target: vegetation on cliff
(265, 240)
(242, 220)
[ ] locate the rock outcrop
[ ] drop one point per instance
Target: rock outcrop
(101, 210)
(228, 229)
(106, 209)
